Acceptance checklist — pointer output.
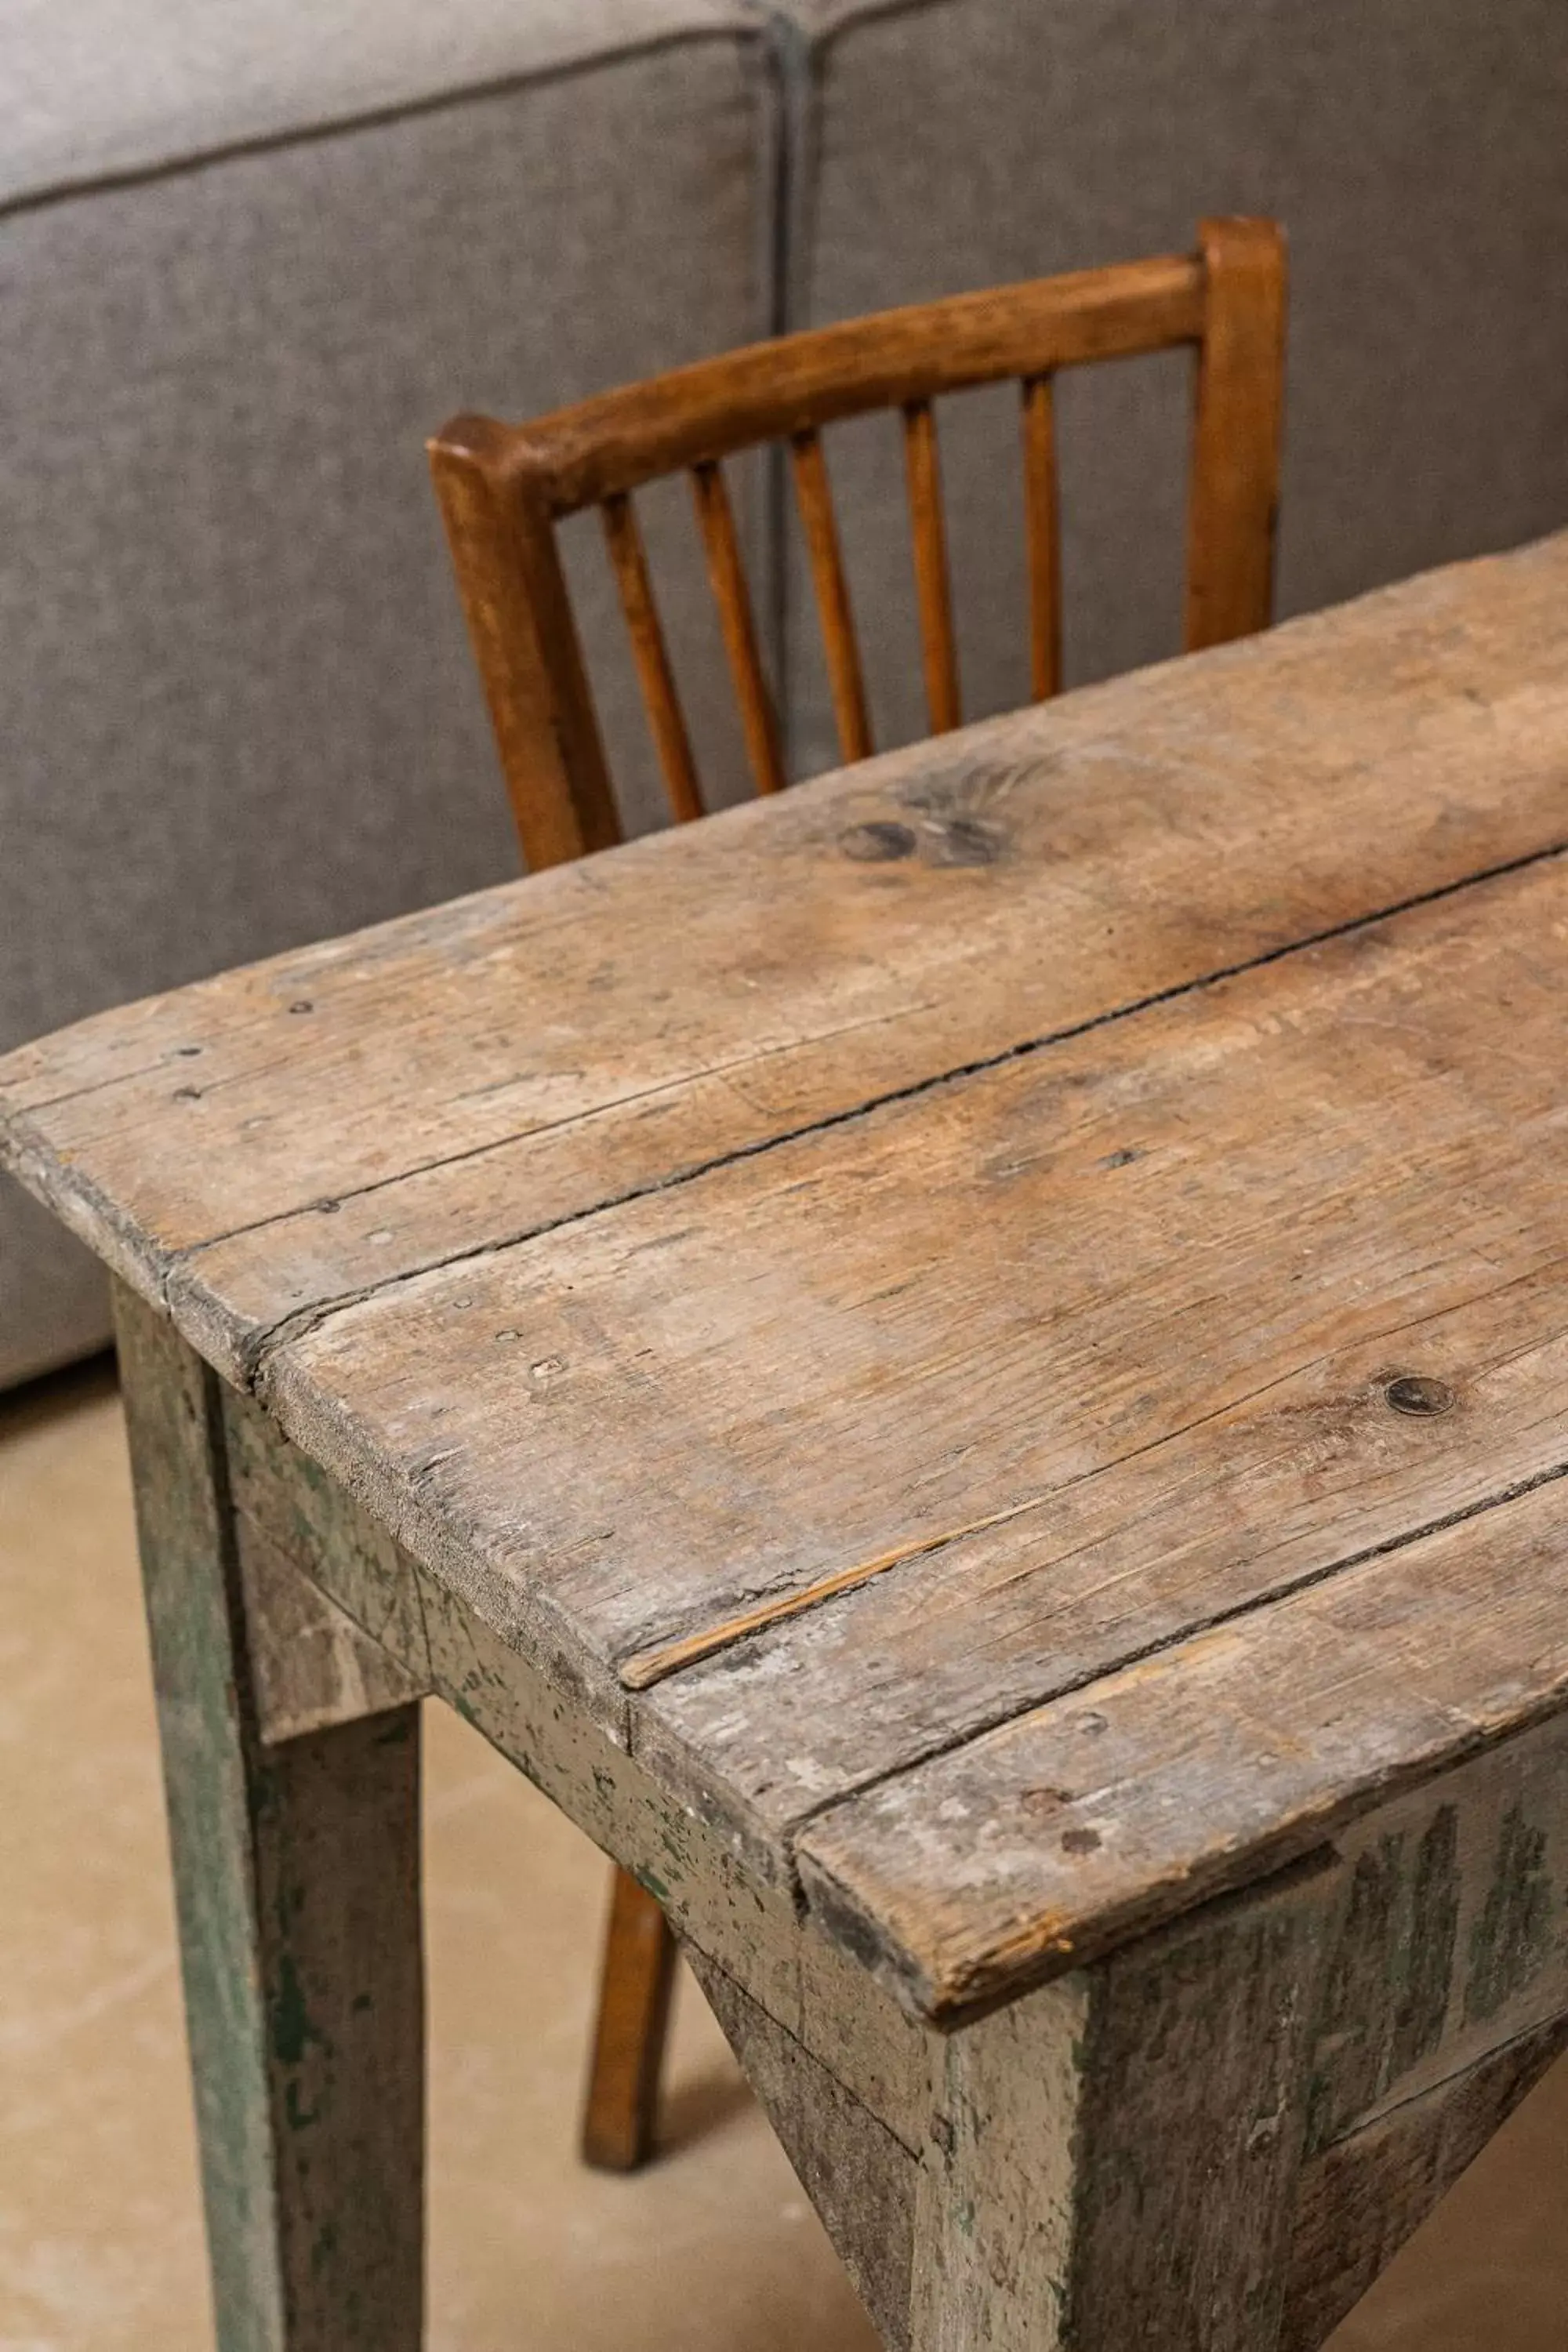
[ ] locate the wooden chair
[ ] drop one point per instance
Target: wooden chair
(503, 488)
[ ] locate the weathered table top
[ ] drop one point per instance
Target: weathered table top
(890, 1295)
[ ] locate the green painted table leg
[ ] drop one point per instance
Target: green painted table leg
(296, 1879)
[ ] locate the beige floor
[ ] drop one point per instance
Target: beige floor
(100, 2237)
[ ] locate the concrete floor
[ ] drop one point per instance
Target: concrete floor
(99, 2232)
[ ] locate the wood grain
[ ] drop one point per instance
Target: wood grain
(808, 1304)
(1188, 1529)
(522, 1057)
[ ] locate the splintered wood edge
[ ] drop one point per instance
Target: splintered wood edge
(1055, 1945)
(644, 1668)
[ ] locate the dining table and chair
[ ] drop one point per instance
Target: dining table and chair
(961, 1361)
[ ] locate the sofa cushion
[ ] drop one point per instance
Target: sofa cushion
(114, 89)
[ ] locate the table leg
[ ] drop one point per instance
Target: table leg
(1111, 2161)
(1115, 2158)
(297, 1883)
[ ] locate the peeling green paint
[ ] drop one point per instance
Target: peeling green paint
(1348, 2058)
(1511, 1937)
(1426, 1956)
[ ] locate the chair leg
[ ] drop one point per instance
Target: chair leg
(635, 1984)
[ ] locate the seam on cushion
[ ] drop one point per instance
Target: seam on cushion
(792, 52)
(853, 14)
(795, 62)
(738, 36)
(769, 163)
(802, 48)
(787, 169)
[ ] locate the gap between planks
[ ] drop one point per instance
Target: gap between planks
(811, 1815)
(256, 1350)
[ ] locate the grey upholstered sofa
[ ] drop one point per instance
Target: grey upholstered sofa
(252, 250)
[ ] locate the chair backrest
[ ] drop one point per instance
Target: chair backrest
(503, 488)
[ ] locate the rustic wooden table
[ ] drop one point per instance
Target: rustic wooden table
(968, 1367)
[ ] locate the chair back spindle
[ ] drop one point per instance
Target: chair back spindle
(661, 695)
(847, 683)
(933, 588)
(727, 576)
(1042, 534)
(504, 489)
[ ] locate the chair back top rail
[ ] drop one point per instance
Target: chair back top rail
(769, 391)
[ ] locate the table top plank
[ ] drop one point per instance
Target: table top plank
(1201, 1528)
(1117, 1271)
(262, 1145)
(1057, 1835)
(843, 1316)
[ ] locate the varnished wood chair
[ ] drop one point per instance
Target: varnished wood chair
(504, 488)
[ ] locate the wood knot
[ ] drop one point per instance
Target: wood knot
(1413, 1392)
